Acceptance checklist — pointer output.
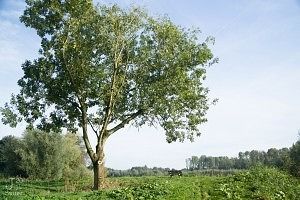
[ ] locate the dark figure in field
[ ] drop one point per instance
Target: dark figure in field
(174, 172)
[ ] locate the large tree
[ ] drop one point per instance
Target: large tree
(104, 67)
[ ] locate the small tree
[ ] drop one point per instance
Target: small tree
(41, 154)
(10, 159)
(51, 155)
(295, 159)
(74, 168)
(106, 67)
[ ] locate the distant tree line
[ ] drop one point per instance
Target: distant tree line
(52, 155)
(42, 155)
(159, 171)
(285, 159)
(138, 171)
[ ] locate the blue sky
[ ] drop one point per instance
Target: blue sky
(257, 79)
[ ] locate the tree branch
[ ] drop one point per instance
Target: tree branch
(124, 122)
(86, 140)
(108, 108)
(110, 103)
(95, 131)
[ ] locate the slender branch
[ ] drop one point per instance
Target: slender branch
(124, 122)
(95, 131)
(108, 108)
(86, 140)
(110, 103)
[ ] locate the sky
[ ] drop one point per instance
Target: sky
(257, 79)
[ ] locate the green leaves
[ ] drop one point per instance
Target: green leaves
(110, 66)
(170, 74)
(259, 183)
(295, 159)
(9, 117)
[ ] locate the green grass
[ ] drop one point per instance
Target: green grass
(258, 183)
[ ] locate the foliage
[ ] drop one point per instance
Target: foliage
(286, 159)
(211, 172)
(279, 158)
(138, 171)
(41, 154)
(259, 183)
(10, 160)
(158, 171)
(90, 57)
(105, 67)
(144, 191)
(295, 159)
(126, 188)
(74, 167)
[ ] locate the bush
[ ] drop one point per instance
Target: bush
(295, 159)
(41, 154)
(260, 183)
(145, 191)
(74, 167)
(10, 160)
(51, 155)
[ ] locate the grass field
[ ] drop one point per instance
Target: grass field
(258, 183)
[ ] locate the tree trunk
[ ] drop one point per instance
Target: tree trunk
(98, 157)
(99, 169)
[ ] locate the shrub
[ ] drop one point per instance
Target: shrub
(295, 159)
(260, 183)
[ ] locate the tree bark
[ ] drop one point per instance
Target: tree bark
(98, 157)
(99, 168)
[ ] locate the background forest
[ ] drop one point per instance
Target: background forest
(50, 155)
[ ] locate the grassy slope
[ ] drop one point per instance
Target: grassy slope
(259, 183)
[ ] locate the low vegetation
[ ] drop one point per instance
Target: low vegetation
(256, 183)
(259, 183)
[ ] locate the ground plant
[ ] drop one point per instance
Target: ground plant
(256, 183)
(259, 183)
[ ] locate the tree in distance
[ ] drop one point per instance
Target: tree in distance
(295, 159)
(104, 67)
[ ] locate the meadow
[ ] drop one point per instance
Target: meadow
(257, 183)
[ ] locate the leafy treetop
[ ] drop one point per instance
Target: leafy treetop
(105, 67)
